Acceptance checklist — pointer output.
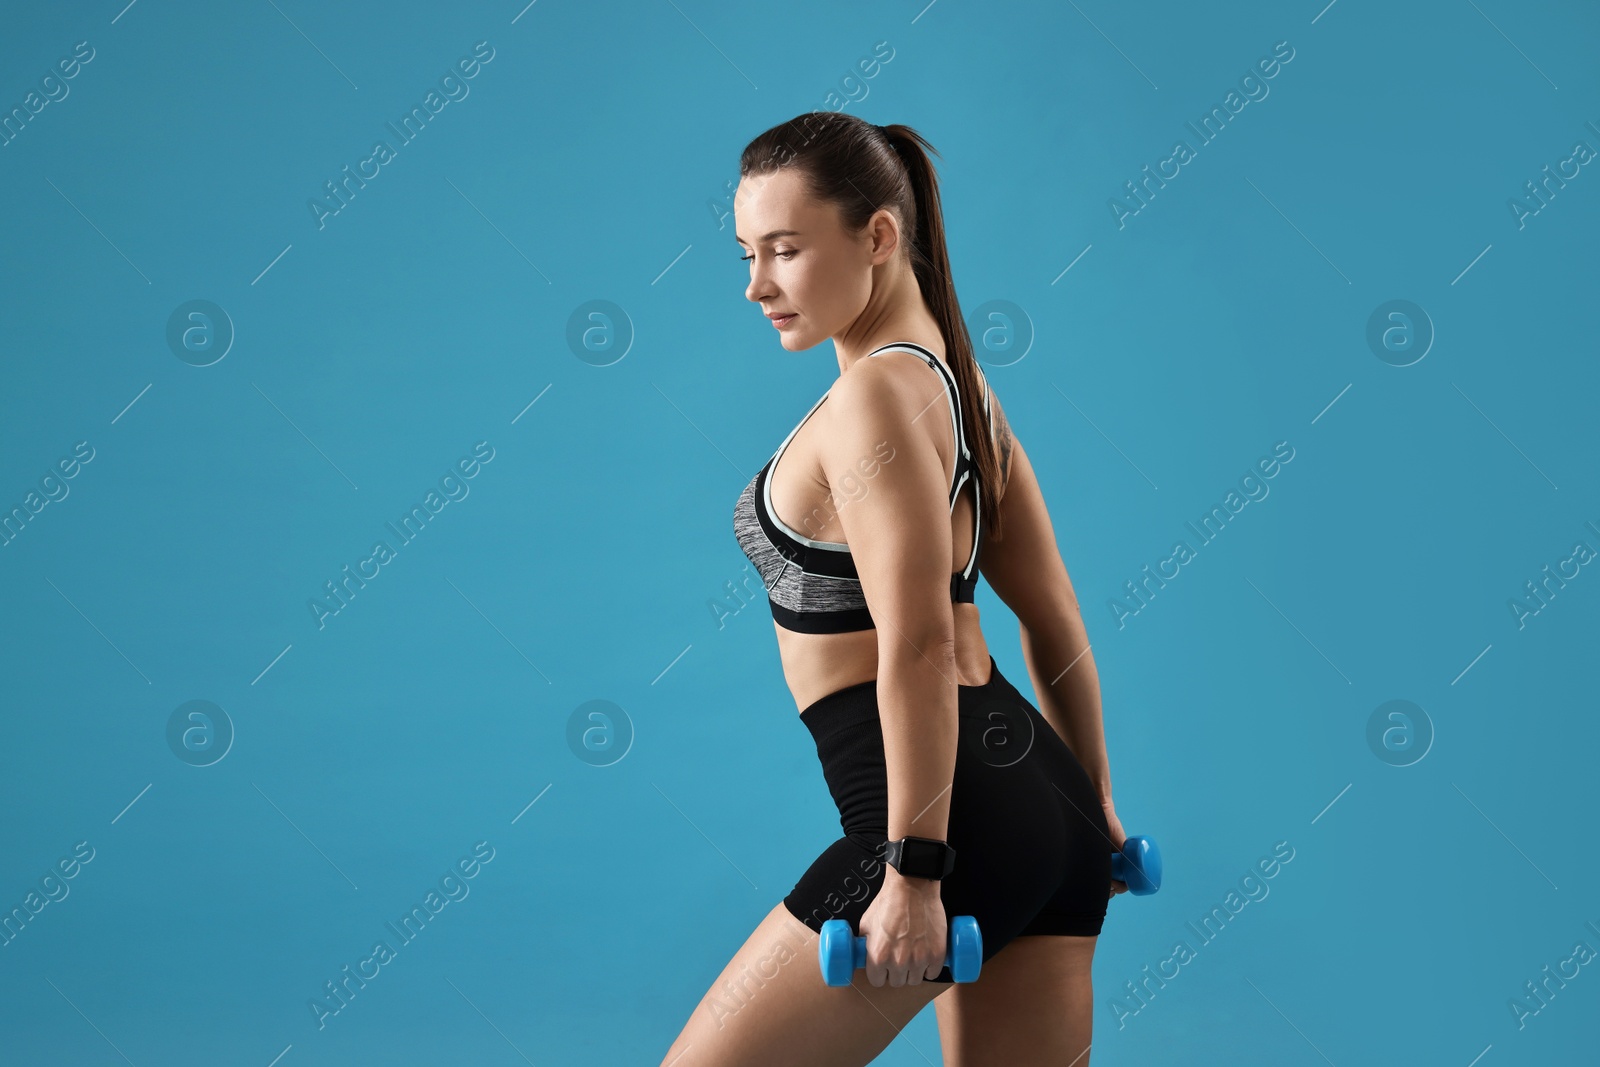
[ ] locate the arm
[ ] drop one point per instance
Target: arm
(898, 529)
(1024, 567)
(1072, 705)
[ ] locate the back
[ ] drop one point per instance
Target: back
(1022, 563)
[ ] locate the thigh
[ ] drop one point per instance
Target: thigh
(1032, 1004)
(770, 1006)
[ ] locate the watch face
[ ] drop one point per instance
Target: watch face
(923, 858)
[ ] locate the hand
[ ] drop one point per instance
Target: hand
(1118, 839)
(905, 928)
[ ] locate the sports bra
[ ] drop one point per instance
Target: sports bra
(812, 586)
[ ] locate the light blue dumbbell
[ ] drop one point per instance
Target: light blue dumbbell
(1139, 865)
(842, 953)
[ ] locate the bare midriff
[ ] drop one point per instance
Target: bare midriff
(815, 665)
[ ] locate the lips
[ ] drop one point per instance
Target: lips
(781, 321)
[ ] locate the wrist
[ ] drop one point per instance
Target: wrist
(920, 858)
(894, 879)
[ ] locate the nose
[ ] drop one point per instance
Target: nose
(760, 287)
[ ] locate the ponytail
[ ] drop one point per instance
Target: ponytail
(930, 260)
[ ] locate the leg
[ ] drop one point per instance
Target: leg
(770, 1006)
(1032, 1004)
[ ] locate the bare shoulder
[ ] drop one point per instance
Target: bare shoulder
(888, 394)
(899, 374)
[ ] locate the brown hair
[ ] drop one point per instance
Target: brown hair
(860, 167)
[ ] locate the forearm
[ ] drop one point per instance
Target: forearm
(1068, 689)
(917, 707)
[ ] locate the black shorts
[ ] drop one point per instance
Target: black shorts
(1033, 853)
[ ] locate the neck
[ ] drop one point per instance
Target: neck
(895, 313)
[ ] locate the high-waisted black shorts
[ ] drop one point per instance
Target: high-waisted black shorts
(1033, 853)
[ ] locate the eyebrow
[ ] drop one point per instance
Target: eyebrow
(771, 236)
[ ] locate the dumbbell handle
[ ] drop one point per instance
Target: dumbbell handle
(1139, 865)
(858, 952)
(963, 950)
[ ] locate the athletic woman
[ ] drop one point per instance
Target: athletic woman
(957, 796)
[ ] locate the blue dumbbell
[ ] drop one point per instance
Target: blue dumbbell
(1139, 865)
(842, 953)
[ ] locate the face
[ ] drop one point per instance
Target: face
(803, 263)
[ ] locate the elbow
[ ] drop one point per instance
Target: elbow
(928, 643)
(1065, 625)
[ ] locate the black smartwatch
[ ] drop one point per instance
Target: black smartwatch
(920, 857)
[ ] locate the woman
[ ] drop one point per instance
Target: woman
(868, 537)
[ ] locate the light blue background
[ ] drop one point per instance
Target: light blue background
(587, 163)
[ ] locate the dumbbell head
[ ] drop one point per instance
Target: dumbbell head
(1139, 865)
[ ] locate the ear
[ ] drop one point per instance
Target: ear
(884, 229)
